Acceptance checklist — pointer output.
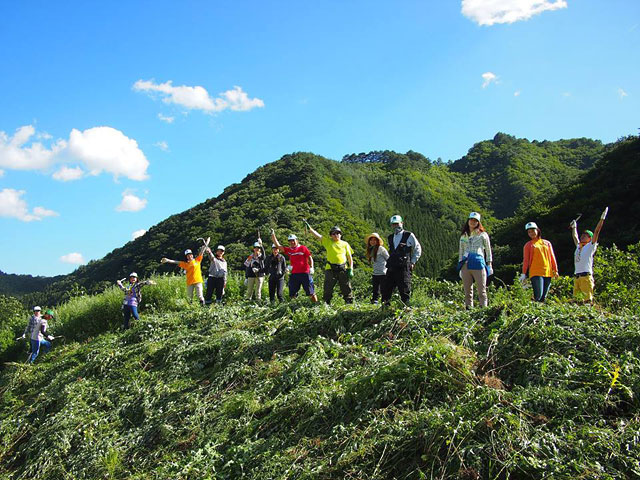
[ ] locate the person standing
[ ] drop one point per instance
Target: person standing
(37, 332)
(586, 246)
(194, 273)
(474, 254)
(404, 252)
(254, 271)
(301, 266)
(539, 262)
(339, 268)
(132, 297)
(217, 280)
(377, 256)
(276, 268)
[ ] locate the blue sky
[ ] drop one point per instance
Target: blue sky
(115, 115)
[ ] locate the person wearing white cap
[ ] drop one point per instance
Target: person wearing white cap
(301, 266)
(37, 332)
(474, 259)
(377, 256)
(254, 271)
(194, 272)
(276, 267)
(132, 297)
(404, 252)
(539, 262)
(217, 275)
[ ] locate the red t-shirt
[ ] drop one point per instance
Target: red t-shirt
(298, 258)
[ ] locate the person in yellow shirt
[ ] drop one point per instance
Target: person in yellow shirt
(539, 262)
(194, 273)
(339, 267)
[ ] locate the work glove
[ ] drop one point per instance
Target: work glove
(489, 270)
(311, 270)
(163, 260)
(22, 337)
(255, 270)
(604, 214)
(523, 277)
(246, 281)
(350, 272)
(289, 268)
(50, 337)
(573, 224)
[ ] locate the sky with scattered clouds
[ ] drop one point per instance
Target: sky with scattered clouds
(117, 115)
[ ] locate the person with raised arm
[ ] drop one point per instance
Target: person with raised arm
(217, 280)
(586, 245)
(132, 297)
(339, 268)
(276, 266)
(194, 272)
(255, 271)
(301, 266)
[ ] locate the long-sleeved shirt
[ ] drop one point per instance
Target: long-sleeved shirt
(276, 265)
(254, 264)
(477, 243)
(218, 268)
(37, 328)
(380, 262)
(412, 242)
(539, 259)
(132, 294)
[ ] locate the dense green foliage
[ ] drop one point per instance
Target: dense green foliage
(516, 390)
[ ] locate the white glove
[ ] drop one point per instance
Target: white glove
(246, 281)
(460, 274)
(523, 277)
(163, 260)
(573, 224)
(489, 270)
(255, 270)
(22, 337)
(289, 268)
(50, 337)
(311, 270)
(604, 214)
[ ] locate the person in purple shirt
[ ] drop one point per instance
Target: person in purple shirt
(132, 297)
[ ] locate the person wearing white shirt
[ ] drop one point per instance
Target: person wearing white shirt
(404, 252)
(586, 245)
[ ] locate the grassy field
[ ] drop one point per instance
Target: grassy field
(516, 390)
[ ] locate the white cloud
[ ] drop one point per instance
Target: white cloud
(197, 98)
(75, 258)
(488, 78)
(517, 93)
(164, 146)
(490, 12)
(98, 149)
(166, 118)
(138, 233)
(12, 205)
(131, 203)
(66, 174)
(622, 93)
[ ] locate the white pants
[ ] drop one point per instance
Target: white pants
(198, 289)
(254, 283)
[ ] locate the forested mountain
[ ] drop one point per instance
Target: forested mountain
(359, 194)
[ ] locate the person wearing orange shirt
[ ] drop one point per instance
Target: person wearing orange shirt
(194, 273)
(539, 262)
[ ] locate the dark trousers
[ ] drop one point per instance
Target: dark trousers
(127, 312)
(540, 287)
(399, 277)
(216, 284)
(276, 287)
(331, 277)
(377, 281)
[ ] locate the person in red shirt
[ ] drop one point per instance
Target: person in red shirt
(301, 266)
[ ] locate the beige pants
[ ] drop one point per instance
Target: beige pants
(480, 277)
(254, 283)
(197, 287)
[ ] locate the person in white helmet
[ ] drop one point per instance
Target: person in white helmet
(217, 275)
(301, 266)
(586, 246)
(276, 266)
(255, 271)
(37, 332)
(539, 262)
(132, 297)
(474, 260)
(194, 272)
(404, 252)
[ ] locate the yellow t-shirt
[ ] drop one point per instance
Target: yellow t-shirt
(336, 251)
(194, 274)
(540, 264)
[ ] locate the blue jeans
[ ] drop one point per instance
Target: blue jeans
(127, 311)
(540, 287)
(35, 348)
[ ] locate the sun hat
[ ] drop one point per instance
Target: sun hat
(374, 235)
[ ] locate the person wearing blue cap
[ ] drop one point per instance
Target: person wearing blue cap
(474, 260)
(586, 246)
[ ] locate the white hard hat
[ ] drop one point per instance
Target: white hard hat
(133, 274)
(475, 215)
(257, 245)
(395, 219)
(531, 225)
(292, 237)
(273, 245)
(220, 247)
(36, 309)
(188, 251)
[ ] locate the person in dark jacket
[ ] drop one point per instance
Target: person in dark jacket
(276, 266)
(404, 252)
(254, 271)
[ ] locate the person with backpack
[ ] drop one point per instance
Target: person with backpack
(132, 297)
(276, 268)
(404, 252)
(255, 271)
(194, 273)
(586, 246)
(538, 262)
(377, 256)
(217, 280)
(474, 260)
(38, 336)
(301, 266)
(339, 268)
